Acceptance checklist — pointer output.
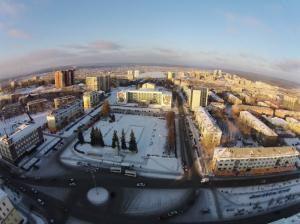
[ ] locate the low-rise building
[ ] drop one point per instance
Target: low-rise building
(209, 130)
(157, 97)
(63, 101)
(59, 118)
(38, 105)
(24, 139)
(91, 99)
(253, 161)
(264, 134)
(8, 213)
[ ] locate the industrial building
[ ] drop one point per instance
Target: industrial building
(254, 160)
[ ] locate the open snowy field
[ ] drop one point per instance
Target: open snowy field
(150, 133)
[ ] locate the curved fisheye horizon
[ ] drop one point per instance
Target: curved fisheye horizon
(149, 111)
(256, 37)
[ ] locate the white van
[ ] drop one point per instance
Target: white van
(130, 173)
(115, 169)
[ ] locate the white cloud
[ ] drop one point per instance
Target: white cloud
(10, 8)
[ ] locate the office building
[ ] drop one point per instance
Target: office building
(24, 139)
(254, 160)
(8, 214)
(63, 101)
(91, 99)
(155, 97)
(64, 78)
(59, 118)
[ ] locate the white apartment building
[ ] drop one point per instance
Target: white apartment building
(209, 130)
(266, 134)
(293, 125)
(91, 99)
(24, 139)
(256, 160)
(8, 214)
(233, 99)
(57, 119)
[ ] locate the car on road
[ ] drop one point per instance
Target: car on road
(140, 184)
(40, 201)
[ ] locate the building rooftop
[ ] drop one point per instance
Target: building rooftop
(21, 131)
(255, 152)
(258, 124)
(207, 120)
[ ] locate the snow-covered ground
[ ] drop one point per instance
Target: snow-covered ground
(246, 201)
(150, 133)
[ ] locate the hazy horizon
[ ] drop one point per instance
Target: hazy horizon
(256, 37)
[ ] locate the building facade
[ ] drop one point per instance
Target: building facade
(91, 99)
(8, 214)
(59, 118)
(198, 98)
(38, 105)
(98, 82)
(156, 97)
(254, 160)
(209, 130)
(64, 78)
(63, 101)
(24, 139)
(264, 134)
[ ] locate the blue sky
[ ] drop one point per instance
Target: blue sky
(252, 36)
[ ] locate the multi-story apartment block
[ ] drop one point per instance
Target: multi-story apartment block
(24, 139)
(254, 160)
(8, 214)
(233, 99)
(170, 75)
(63, 101)
(38, 105)
(59, 118)
(293, 125)
(287, 113)
(64, 78)
(209, 130)
(255, 109)
(133, 74)
(98, 82)
(198, 97)
(91, 99)
(265, 134)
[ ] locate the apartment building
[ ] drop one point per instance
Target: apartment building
(91, 99)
